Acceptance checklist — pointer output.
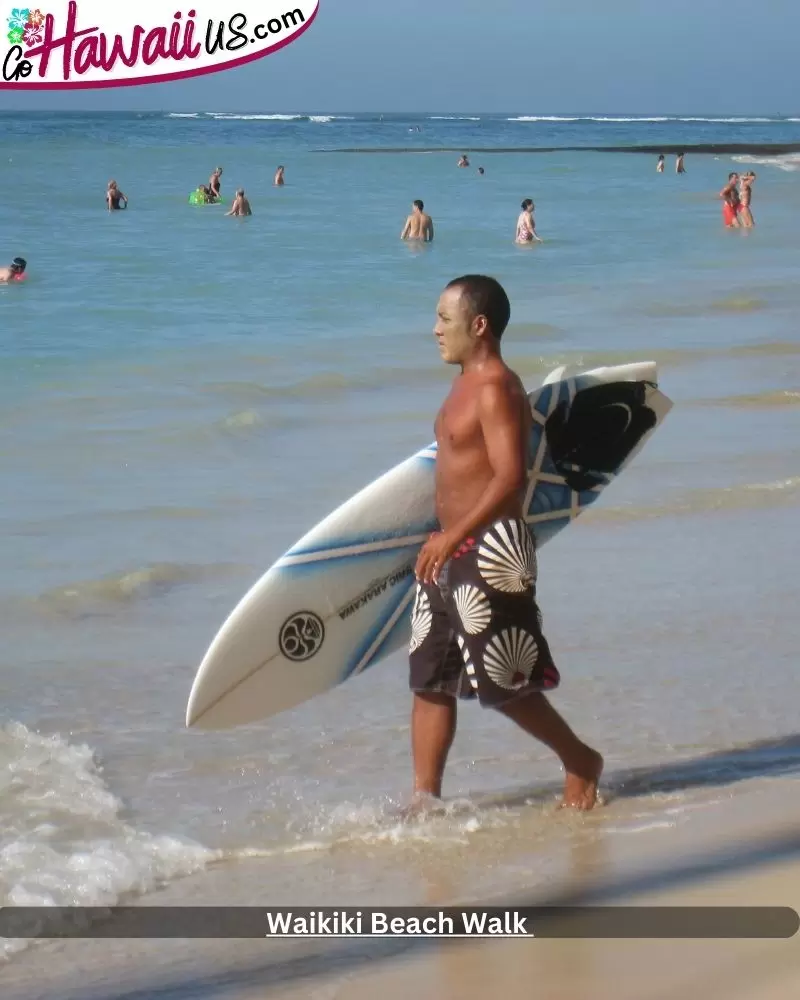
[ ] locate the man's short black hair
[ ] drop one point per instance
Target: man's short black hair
(419, 204)
(486, 297)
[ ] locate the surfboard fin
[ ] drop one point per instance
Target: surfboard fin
(591, 438)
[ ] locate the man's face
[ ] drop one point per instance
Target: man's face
(455, 327)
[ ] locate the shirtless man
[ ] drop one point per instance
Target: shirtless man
(15, 272)
(730, 201)
(214, 182)
(114, 196)
(679, 167)
(463, 161)
(278, 180)
(240, 206)
(419, 225)
(476, 629)
(745, 213)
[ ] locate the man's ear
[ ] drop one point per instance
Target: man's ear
(480, 326)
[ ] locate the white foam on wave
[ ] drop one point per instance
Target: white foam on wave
(789, 162)
(317, 119)
(229, 116)
(183, 114)
(62, 839)
(643, 119)
(453, 118)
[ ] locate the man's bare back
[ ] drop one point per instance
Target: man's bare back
(419, 225)
(240, 206)
(463, 466)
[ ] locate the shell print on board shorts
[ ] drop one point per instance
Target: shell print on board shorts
(421, 620)
(509, 658)
(507, 558)
(473, 608)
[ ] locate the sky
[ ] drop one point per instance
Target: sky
(484, 56)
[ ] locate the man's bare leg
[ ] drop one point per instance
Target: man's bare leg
(433, 727)
(583, 765)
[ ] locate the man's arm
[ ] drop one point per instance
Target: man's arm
(429, 230)
(406, 228)
(502, 424)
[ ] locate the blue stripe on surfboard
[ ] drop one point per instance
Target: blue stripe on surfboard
(547, 498)
(323, 564)
(372, 545)
(370, 638)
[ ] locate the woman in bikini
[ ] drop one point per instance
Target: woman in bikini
(744, 212)
(526, 227)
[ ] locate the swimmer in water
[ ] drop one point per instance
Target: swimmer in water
(15, 272)
(730, 201)
(464, 161)
(481, 171)
(114, 196)
(526, 226)
(278, 180)
(419, 225)
(744, 212)
(660, 164)
(214, 182)
(240, 206)
(679, 167)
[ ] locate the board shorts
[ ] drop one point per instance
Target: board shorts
(729, 213)
(478, 631)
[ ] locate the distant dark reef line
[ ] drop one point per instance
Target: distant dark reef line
(759, 148)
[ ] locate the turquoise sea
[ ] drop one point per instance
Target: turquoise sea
(183, 394)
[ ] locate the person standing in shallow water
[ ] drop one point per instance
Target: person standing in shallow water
(419, 225)
(278, 180)
(215, 183)
(745, 212)
(240, 205)
(660, 164)
(526, 224)
(476, 629)
(730, 201)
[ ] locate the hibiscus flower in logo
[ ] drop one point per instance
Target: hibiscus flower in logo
(16, 24)
(35, 19)
(32, 34)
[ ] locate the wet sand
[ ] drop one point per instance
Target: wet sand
(744, 851)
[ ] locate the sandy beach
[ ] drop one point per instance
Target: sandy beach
(742, 852)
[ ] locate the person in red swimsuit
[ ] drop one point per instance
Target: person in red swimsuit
(730, 201)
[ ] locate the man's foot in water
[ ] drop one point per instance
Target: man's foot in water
(580, 784)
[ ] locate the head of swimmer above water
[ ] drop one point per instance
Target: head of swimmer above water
(18, 265)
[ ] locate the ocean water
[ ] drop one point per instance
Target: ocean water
(183, 394)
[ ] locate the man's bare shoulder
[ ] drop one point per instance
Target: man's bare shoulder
(500, 386)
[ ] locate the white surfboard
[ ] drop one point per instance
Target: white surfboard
(339, 600)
